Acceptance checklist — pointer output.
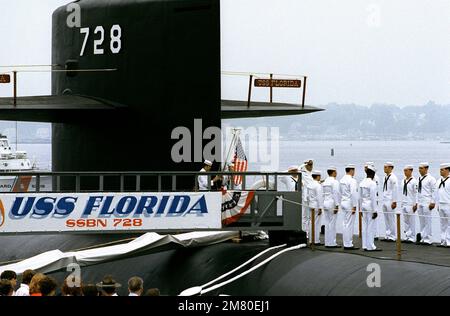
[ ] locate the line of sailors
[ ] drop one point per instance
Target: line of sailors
(417, 196)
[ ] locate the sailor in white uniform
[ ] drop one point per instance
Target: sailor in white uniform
(377, 181)
(426, 192)
(349, 201)
(291, 182)
(369, 207)
(306, 171)
(314, 199)
(228, 181)
(443, 200)
(409, 204)
(332, 199)
(390, 198)
(203, 180)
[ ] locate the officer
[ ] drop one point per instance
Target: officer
(409, 204)
(426, 192)
(314, 199)
(332, 199)
(369, 207)
(390, 198)
(349, 201)
(443, 200)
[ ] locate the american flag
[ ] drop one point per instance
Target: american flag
(240, 162)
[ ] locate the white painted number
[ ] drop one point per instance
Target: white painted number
(85, 31)
(115, 44)
(116, 39)
(99, 42)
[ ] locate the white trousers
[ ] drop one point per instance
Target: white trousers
(306, 217)
(368, 235)
(389, 220)
(425, 223)
(317, 225)
(330, 227)
(349, 225)
(410, 222)
(444, 212)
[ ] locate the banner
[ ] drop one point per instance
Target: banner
(234, 205)
(102, 212)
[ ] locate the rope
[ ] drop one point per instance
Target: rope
(242, 265)
(256, 74)
(252, 269)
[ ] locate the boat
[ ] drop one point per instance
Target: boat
(12, 164)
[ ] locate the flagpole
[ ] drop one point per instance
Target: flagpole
(233, 141)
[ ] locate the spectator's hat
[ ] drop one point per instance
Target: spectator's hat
(108, 282)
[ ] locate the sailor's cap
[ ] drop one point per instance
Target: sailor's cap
(350, 166)
(309, 160)
(372, 167)
(369, 163)
(445, 165)
(208, 163)
(316, 173)
(408, 167)
(424, 164)
(389, 164)
(331, 168)
(293, 168)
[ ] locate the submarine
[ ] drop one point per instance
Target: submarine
(130, 73)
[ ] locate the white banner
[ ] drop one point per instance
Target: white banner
(79, 212)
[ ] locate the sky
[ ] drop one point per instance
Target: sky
(353, 51)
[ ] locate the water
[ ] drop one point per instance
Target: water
(40, 153)
(358, 152)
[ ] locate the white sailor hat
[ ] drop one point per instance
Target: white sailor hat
(408, 167)
(445, 165)
(293, 168)
(389, 164)
(316, 173)
(350, 166)
(331, 168)
(369, 163)
(308, 160)
(208, 163)
(424, 164)
(372, 167)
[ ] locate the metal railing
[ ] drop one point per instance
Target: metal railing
(270, 209)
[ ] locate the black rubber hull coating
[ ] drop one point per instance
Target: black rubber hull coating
(300, 272)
